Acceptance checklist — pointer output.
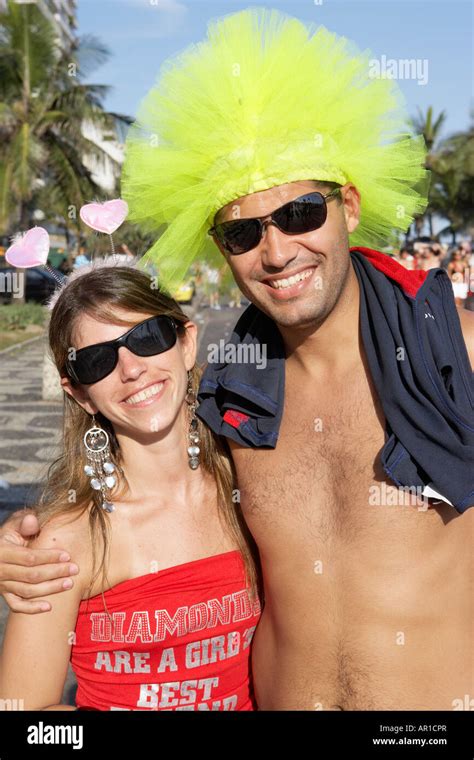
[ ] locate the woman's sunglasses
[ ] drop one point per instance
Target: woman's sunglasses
(92, 363)
(304, 214)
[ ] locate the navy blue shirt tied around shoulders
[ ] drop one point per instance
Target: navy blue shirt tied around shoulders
(419, 365)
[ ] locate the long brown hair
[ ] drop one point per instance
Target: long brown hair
(97, 292)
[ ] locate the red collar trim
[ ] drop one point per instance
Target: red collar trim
(410, 280)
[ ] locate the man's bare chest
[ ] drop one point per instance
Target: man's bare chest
(340, 428)
(327, 455)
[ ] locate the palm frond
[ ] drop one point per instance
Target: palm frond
(90, 54)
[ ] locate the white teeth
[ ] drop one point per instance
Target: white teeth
(147, 393)
(286, 283)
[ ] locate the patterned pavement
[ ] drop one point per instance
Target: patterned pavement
(29, 426)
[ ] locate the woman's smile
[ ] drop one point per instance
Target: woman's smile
(146, 396)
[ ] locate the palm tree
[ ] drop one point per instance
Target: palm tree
(430, 128)
(453, 189)
(46, 154)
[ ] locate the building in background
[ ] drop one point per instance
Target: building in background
(62, 13)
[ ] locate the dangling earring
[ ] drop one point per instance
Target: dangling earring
(193, 433)
(99, 467)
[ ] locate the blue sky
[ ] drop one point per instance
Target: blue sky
(141, 34)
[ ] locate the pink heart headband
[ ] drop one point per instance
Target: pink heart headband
(105, 217)
(31, 249)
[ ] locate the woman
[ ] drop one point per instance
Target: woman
(162, 612)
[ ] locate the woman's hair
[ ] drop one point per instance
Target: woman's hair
(66, 490)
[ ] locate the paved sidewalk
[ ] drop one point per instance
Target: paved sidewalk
(29, 426)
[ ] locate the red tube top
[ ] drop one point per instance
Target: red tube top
(177, 639)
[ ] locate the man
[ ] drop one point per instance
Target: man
(368, 587)
(362, 607)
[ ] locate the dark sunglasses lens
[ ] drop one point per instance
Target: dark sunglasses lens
(94, 363)
(302, 215)
(152, 337)
(239, 236)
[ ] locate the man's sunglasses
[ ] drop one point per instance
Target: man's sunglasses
(304, 214)
(92, 363)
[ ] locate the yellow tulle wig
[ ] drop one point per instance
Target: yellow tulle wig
(264, 100)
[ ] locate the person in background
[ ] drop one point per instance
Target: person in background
(81, 258)
(212, 283)
(236, 298)
(405, 257)
(458, 262)
(466, 247)
(430, 257)
(67, 265)
(460, 288)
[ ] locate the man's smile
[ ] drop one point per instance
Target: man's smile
(291, 284)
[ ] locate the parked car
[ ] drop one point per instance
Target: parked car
(185, 292)
(39, 284)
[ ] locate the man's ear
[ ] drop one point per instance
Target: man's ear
(189, 345)
(351, 206)
(79, 394)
